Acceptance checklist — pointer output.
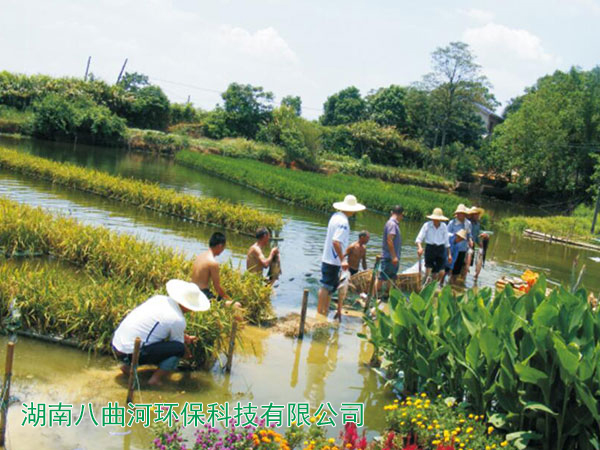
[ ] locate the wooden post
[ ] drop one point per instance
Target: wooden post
(87, 68)
(234, 327)
(303, 314)
(372, 283)
(134, 363)
(10, 350)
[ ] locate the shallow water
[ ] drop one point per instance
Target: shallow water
(270, 367)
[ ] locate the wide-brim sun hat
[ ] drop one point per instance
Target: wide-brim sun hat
(437, 214)
(188, 295)
(461, 209)
(462, 233)
(476, 210)
(350, 204)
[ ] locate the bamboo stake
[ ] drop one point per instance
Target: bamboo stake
(303, 314)
(234, 327)
(134, 363)
(10, 350)
(372, 283)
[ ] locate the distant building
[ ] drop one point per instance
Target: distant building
(489, 117)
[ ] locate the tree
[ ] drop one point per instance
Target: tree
(293, 102)
(455, 85)
(545, 146)
(344, 107)
(386, 107)
(151, 108)
(133, 82)
(246, 108)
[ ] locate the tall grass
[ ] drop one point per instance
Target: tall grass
(140, 265)
(211, 211)
(320, 191)
(578, 226)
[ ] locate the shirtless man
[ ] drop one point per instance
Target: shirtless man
(357, 253)
(206, 267)
(255, 260)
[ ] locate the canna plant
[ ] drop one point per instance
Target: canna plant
(531, 363)
(211, 211)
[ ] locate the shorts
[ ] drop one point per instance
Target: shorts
(458, 264)
(435, 257)
(352, 271)
(388, 271)
(330, 276)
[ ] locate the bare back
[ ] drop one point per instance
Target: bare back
(204, 267)
(253, 259)
(356, 253)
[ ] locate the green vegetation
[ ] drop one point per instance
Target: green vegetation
(528, 362)
(119, 271)
(14, 121)
(546, 143)
(320, 191)
(211, 211)
(576, 227)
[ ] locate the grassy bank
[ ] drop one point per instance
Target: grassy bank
(320, 191)
(574, 227)
(117, 272)
(211, 211)
(13, 121)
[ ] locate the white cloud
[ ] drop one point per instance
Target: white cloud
(502, 39)
(479, 15)
(263, 44)
(511, 58)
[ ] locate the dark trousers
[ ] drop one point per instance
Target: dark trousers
(158, 354)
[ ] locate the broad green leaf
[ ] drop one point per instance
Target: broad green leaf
(472, 353)
(490, 345)
(567, 356)
(498, 420)
(584, 394)
(520, 439)
(535, 406)
(528, 374)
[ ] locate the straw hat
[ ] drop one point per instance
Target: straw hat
(461, 209)
(462, 233)
(349, 204)
(437, 214)
(476, 210)
(187, 295)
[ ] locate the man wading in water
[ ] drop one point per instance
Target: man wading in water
(206, 268)
(338, 234)
(255, 260)
(357, 253)
(160, 323)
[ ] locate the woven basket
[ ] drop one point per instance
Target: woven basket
(359, 282)
(408, 282)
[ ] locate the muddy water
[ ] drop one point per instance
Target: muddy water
(270, 367)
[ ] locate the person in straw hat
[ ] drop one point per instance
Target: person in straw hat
(460, 222)
(338, 234)
(434, 234)
(455, 242)
(160, 323)
(480, 240)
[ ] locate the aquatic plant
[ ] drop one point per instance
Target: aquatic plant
(319, 191)
(141, 265)
(143, 194)
(528, 362)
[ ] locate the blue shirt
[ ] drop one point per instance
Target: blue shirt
(391, 227)
(454, 226)
(476, 232)
(454, 251)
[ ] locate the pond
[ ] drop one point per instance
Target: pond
(329, 370)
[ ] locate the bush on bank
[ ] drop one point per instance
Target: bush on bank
(529, 363)
(320, 191)
(212, 211)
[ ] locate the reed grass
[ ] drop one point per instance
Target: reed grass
(577, 226)
(234, 217)
(140, 265)
(319, 191)
(79, 306)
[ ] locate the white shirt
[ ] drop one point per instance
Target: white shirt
(432, 235)
(337, 230)
(157, 319)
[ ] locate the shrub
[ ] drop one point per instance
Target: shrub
(156, 141)
(183, 113)
(528, 362)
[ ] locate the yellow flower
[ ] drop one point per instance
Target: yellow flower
(348, 445)
(470, 430)
(487, 447)
(470, 416)
(457, 439)
(331, 440)
(402, 423)
(430, 428)
(503, 443)
(396, 401)
(313, 420)
(436, 442)
(490, 430)
(462, 445)
(423, 395)
(418, 416)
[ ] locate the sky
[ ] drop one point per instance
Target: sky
(310, 48)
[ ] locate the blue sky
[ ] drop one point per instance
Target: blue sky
(303, 47)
